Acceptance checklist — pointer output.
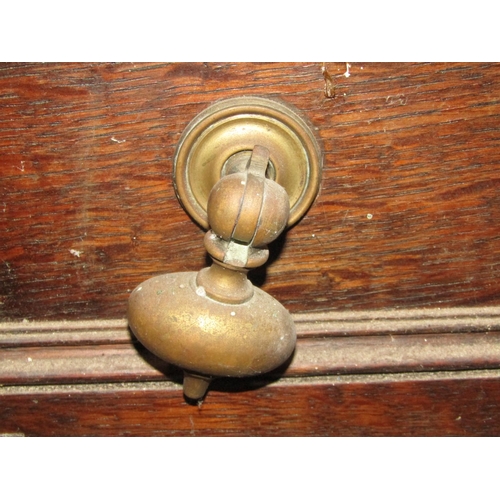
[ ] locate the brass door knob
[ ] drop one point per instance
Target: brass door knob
(215, 323)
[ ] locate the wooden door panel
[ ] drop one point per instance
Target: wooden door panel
(407, 215)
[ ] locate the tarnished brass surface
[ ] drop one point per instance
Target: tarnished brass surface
(221, 138)
(173, 317)
(215, 323)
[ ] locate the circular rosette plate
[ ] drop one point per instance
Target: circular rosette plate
(224, 135)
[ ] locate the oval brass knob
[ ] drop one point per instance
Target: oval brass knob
(215, 323)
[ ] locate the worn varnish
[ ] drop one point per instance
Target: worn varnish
(407, 215)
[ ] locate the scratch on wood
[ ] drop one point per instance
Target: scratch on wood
(329, 84)
(345, 217)
(399, 99)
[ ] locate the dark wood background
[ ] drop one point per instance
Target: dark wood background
(392, 276)
(88, 209)
(359, 406)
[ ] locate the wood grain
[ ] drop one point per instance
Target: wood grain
(88, 209)
(438, 405)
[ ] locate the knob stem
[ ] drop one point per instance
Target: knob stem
(224, 284)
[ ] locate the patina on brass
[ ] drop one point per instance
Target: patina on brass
(222, 137)
(215, 323)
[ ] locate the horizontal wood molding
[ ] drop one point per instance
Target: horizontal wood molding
(385, 341)
(399, 321)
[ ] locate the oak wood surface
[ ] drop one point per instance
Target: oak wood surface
(88, 209)
(446, 405)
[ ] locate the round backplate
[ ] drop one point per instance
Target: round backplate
(230, 127)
